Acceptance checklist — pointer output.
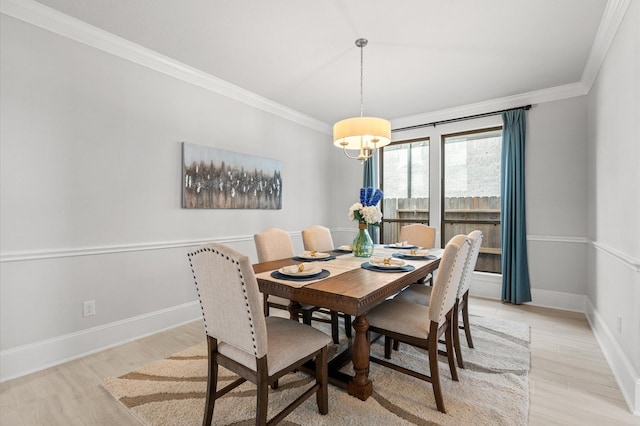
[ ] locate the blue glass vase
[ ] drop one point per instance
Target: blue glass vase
(362, 244)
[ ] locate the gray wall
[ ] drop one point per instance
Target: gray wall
(91, 193)
(613, 185)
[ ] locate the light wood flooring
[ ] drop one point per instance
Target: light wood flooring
(570, 381)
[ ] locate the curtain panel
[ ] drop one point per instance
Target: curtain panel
(515, 268)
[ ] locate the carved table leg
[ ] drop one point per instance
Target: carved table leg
(360, 386)
(295, 308)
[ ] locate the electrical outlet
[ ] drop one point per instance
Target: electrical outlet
(619, 324)
(89, 308)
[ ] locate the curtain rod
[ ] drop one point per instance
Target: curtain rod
(453, 120)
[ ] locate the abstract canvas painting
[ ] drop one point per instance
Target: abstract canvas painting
(217, 179)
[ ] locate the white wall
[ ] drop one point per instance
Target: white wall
(614, 206)
(91, 193)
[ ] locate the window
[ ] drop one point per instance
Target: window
(471, 191)
(405, 183)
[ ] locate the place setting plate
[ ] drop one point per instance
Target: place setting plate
(301, 272)
(311, 256)
(402, 246)
(415, 255)
(388, 264)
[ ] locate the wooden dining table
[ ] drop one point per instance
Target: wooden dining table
(353, 290)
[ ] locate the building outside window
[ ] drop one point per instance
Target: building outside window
(405, 183)
(471, 191)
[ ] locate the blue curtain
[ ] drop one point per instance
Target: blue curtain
(369, 179)
(515, 268)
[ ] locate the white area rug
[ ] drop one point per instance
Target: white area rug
(493, 388)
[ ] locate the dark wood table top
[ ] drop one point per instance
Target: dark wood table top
(354, 292)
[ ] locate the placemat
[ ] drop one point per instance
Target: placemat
(320, 259)
(405, 268)
(279, 275)
(409, 257)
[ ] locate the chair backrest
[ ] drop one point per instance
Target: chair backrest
(317, 238)
(229, 297)
(273, 244)
(419, 235)
(445, 286)
(475, 238)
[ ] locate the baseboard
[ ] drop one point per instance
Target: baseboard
(490, 286)
(23, 360)
(627, 378)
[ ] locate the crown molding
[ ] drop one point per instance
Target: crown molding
(59, 23)
(612, 17)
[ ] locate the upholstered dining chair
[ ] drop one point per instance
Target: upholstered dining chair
(423, 326)
(274, 244)
(422, 294)
(240, 338)
(420, 235)
(319, 238)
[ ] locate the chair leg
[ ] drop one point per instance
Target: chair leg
(322, 377)
(387, 347)
(465, 318)
(448, 341)
(456, 335)
(265, 302)
(396, 345)
(212, 381)
(334, 327)
(433, 368)
(306, 317)
(347, 325)
(262, 392)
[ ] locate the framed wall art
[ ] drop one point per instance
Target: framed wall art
(217, 179)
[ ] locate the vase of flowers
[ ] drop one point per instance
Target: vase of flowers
(366, 212)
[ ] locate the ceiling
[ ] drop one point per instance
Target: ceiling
(422, 56)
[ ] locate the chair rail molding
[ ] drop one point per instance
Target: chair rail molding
(625, 259)
(27, 255)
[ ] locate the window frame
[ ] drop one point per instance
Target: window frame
(381, 173)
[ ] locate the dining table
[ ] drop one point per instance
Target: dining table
(352, 285)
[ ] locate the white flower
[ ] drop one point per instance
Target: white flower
(365, 214)
(353, 209)
(371, 214)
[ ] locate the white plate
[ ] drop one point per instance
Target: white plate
(294, 272)
(345, 248)
(393, 263)
(418, 253)
(405, 246)
(316, 255)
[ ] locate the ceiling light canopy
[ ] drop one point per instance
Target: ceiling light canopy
(364, 134)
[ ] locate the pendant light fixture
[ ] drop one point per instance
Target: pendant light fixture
(364, 134)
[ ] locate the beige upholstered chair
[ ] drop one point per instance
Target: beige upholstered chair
(422, 326)
(421, 294)
(241, 339)
(274, 244)
(319, 238)
(419, 235)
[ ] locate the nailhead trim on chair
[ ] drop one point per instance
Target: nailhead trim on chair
(244, 290)
(449, 286)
